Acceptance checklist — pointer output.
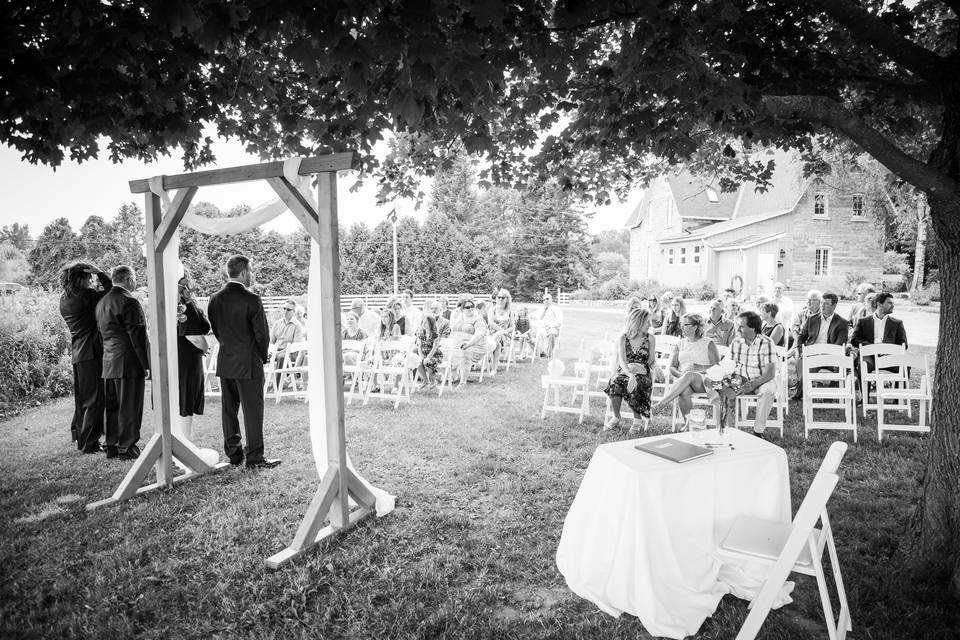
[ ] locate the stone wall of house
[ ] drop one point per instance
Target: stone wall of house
(855, 243)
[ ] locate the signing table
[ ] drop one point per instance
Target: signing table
(642, 532)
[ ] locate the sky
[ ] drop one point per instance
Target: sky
(36, 194)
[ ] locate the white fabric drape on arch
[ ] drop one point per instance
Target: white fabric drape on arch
(251, 220)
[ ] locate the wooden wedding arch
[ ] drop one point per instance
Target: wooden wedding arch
(340, 482)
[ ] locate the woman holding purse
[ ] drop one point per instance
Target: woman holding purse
(192, 329)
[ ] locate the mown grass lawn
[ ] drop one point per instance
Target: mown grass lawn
(482, 486)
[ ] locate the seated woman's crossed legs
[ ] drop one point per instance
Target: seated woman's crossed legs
(682, 390)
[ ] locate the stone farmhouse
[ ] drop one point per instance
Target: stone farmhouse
(800, 231)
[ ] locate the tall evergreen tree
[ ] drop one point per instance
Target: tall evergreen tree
(56, 246)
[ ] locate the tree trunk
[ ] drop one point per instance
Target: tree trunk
(921, 251)
(939, 508)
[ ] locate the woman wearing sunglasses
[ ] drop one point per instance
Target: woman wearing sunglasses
(469, 330)
(502, 323)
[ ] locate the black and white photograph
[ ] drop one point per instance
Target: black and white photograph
(468, 319)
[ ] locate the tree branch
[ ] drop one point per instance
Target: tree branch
(597, 23)
(876, 33)
(834, 115)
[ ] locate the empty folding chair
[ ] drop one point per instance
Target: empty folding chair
(555, 387)
(869, 379)
(796, 547)
(897, 386)
(829, 386)
(291, 376)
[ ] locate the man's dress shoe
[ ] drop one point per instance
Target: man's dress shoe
(263, 464)
(130, 454)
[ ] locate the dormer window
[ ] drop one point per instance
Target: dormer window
(712, 195)
(819, 205)
(858, 206)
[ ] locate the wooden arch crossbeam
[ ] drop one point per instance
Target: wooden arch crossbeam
(340, 483)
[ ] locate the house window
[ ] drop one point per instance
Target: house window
(670, 257)
(821, 262)
(820, 204)
(712, 195)
(683, 255)
(696, 254)
(858, 206)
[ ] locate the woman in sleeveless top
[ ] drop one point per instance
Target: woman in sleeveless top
(502, 323)
(771, 328)
(637, 361)
(693, 355)
(470, 331)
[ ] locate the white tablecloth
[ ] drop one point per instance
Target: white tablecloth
(642, 532)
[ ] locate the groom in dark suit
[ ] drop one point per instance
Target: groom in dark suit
(891, 330)
(126, 363)
(826, 327)
(240, 325)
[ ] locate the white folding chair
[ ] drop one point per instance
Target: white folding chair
(819, 371)
(870, 378)
(355, 365)
(290, 379)
(578, 383)
(896, 386)
(825, 350)
(390, 364)
(794, 547)
(784, 379)
(449, 363)
(665, 346)
(211, 384)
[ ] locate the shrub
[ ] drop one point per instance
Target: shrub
(852, 280)
(896, 262)
(616, 288)
(646, 288)
(700, 291)
(923, 297)
(34, 349)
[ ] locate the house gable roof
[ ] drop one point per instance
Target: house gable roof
(693, 200)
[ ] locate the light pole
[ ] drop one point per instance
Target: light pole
(393, 220)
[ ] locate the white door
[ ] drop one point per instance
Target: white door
(766, 270)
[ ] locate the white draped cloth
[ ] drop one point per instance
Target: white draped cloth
(642, 533)
(251, 220)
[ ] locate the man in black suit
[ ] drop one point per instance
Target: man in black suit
(240, 325)
(878, 327)
(826, 327)
(78, 304)
(126, 363)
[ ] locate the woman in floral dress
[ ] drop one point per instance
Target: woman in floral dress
(633, 381)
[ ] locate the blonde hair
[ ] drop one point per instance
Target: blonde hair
(635, 320)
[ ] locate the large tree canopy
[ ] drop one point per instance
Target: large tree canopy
(625, 86)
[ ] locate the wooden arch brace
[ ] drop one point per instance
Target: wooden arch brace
(339, 484)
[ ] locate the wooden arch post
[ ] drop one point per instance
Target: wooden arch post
(340, 483)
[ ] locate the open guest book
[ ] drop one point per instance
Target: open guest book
(673, 449)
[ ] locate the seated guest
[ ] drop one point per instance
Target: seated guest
(718, 328)
(352, 331)
(826, 327)
(286, 331)
(656, 313)
(694, 354)
(412, 316)
(755, 369)
(469, 330)
(551, 319)
(784, 304)
(368, 319)
(522, 332)
(731, 309)
(633, 302)
(636, 363)
(671, 324)
(457, 310)
(810, 309)
(879, 328)
(388, 326)
(445, 307)
(771, 328)
(860, 309)
(443, 324)
(501, 322)
(428, 347)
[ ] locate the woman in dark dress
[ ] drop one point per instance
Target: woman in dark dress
(633, 380)
(771, 328)
(192, 328)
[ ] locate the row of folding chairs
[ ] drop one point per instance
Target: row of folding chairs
(286, 379)
(830, 390)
